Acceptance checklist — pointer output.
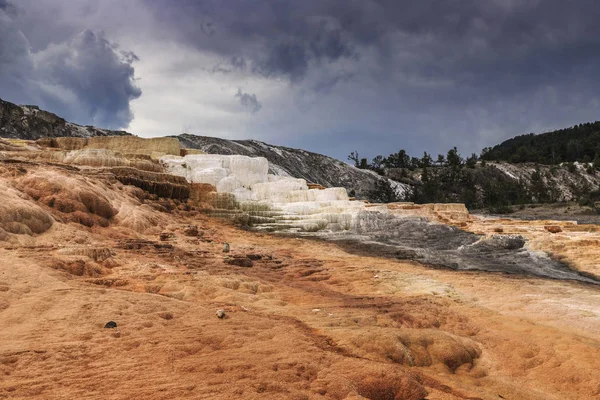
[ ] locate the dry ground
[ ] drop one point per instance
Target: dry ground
(307, 320)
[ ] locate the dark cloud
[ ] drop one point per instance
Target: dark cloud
(249, 101)
(434, 72)
(368, 74)
(7, 7)
(292, 57)
(497, 44)
(86, 80)
(100, 78)
(289, 59)
(279, 39)
(238, 62)
(16, 65)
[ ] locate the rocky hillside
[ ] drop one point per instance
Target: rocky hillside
(31, 123)
(497, 185)
(297, 163)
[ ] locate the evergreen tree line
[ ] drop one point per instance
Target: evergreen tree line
(401, 159)
(580, 143)
(451, 178)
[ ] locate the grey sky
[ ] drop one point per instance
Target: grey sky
(330, 76)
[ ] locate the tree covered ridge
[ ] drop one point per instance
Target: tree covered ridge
(579, 143)
(451, 178)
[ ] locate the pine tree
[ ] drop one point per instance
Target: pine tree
(441, 159)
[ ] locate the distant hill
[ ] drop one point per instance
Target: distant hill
(579, 143)
(30, 123)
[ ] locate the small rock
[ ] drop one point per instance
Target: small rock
(111, 324)
(225, 247)
(166, 236)
(191, 230)
(221, 314)
(240, 261)
(553, 228)
(406, 254)
(166, 315)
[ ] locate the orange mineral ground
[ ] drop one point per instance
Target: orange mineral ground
(303, 319)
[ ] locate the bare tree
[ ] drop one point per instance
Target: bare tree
(354, 157)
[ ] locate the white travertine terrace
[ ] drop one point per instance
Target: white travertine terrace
(289, 201)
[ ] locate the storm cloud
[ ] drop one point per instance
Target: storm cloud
(7, 7)
(521, 43)
(331, 75)
(86, 79)
(249, 101)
